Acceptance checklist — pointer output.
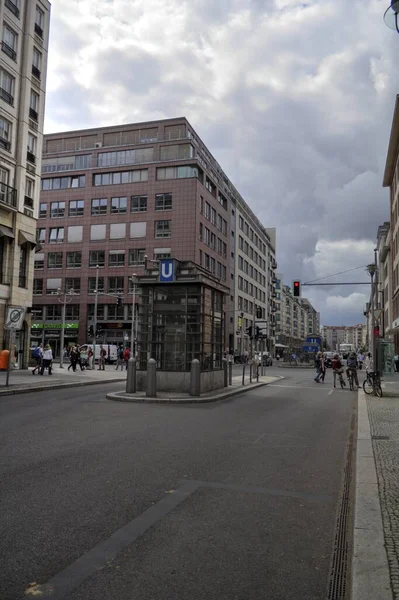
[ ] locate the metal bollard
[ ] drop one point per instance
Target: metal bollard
(151, 378)
(195, 378)
(250, 373)
(230, 373)
(243, 374)
(131, 376)
(225, 379)
(257, 373)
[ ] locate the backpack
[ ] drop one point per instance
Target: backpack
(36, 352)
(126, 354)
(120, 353)
(351, 362)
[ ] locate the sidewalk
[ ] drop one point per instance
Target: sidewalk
(183, 398)
(21, 382)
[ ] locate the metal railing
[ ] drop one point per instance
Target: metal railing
(12, 7)
(9, 51)
(36, 72)
(8, 195)
(33, 114)
(38, 30)
(6, 96)
(31, 157)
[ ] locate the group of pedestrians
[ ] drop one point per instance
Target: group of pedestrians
(122, 357)
(353, 363)
(44, 359)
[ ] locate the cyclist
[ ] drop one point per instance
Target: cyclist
(337, 367)
(351, 367)
(368, 363)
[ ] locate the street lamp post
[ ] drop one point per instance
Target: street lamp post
(133, 332)
(64, 302)
(95, 318)
(391, 15)
(372, 271)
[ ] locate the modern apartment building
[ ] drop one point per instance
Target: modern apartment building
(23, 67)
(391, 180)
(333, 336)
(121, 198)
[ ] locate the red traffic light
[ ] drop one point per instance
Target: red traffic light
(296, 288)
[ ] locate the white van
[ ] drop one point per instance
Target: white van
(111, 349)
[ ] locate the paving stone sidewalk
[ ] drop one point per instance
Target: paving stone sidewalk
(384, 425)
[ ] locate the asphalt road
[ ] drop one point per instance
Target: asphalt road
(235, 500)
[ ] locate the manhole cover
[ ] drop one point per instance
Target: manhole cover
(380, 437)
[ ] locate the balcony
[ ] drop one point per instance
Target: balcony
(12, 7)
(9, 51)
(31, 157)
(5, 144)
(274, 264)
(28, 201)
(38, 30)
(6, 96)
(8, 196)
(36, 72)
(33, 114)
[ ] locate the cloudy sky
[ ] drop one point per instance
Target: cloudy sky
(294, 99)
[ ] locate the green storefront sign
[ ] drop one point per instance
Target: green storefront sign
(55, 325)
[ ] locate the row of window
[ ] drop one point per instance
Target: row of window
(249, 232)
(248, 269)
(105, 312)
(6, 136)
(55, 260)
(72, 285)
(99, 206)
(247, 306)
(209, 238)
(214, 217)
(247, 287)
(63, 183)
(212, 265)
(249, 251)
(117, 231)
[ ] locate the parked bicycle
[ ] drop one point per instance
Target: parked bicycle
(372, 383)
(350, 380)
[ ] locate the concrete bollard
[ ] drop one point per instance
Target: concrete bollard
(230, 373)
(225, 379)
(131, 376)
(195, 378)
(243, 374)
(151, 378)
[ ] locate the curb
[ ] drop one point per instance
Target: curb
(370, 568)
(56, 386)
(124, 397)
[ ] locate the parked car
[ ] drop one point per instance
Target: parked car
(267, 359)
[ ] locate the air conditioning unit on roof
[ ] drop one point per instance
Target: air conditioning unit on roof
(98, 145)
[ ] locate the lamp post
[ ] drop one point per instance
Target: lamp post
(95, 318)
(133, 332)
(64, 302)
(372, 271)
(391, 15)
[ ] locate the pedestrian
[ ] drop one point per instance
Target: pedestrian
(126, 356)
(396, 361)
(321, 372)
(81, 359)
(368, 363)
(337, 368)
(38, 355)
(47, 359)
(360, 359)
(73, 357)
(90, 355)
(120, 359)
(101, 360)
(351, 367)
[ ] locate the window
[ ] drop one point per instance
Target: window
(207, 211)
(219, 246)
(220, 223)
(57, 209)
(100, 311)
(40, 235)
(138, 230)
(34, 105)
(29, 190)
(213, 241)
(55, 260)
(222, 201)
(62, 183)
(36, 63)
(117, 231)
(39, 261)
(76, 208)
(37, 287)
(74, 260)
(224, 250)
(53, 311)
(115, 284)
(13, 6)
(116, 312)
(213, 216)
(7, 83)
(10, 42)
(138, 204)
(224, 228)
(210, 186)
(202, 205)
(92, 285)
(116, 258)
(118, 205)
(201, 232)
(72, 312)
(163, 229)
(99, 206)
(72, 284)
(5, 134)
(120, 177)
(97, 232)
(23, 264)
(125, 157)
(31, 148)
(163, 201)
(136, 257)
(39, 22)
(97, 257)
(241, 223)
(56, 235)
(184, 172)
(75, 233)
(160, 253)
(42, 210)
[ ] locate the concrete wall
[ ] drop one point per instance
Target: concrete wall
(171, 381)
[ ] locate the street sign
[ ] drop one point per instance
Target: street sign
(167, 270)
(310, 348)
(15, 317)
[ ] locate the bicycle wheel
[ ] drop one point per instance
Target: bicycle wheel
(368, 386)
(378, 390)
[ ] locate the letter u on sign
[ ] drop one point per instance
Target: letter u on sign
(166, 273)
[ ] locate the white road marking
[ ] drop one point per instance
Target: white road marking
(330, 392)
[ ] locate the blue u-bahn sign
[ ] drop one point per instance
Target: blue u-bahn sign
(167, 270)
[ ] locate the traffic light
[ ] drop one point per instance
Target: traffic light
(248, 331)
(90, 331)
(258, 312)
(257, 332)
(296, 285)
(119, 302)
(98, 332)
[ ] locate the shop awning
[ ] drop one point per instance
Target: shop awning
(26, 238)
(6, 232)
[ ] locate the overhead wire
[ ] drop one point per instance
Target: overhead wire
(334, 274)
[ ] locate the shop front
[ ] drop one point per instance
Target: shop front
(50, 333)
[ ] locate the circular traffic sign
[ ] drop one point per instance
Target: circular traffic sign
(15, 315)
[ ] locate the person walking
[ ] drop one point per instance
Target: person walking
(73, 357)
(322, 369)
(101, 360)
(80, 359)
(126, 356)
(90, 355)
(368, 363)
(120, 360)
(337, 367)
(38, 356)
(396, 361)
(360, 360)
(351, 367)
(47, 359)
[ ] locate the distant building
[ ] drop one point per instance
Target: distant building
(296, 318)
(333, 336)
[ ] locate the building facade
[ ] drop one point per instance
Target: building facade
(23, 67)
(333, 336)
(115, 200)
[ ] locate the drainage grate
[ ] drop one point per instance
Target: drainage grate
(338, 587)
(380, 437)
